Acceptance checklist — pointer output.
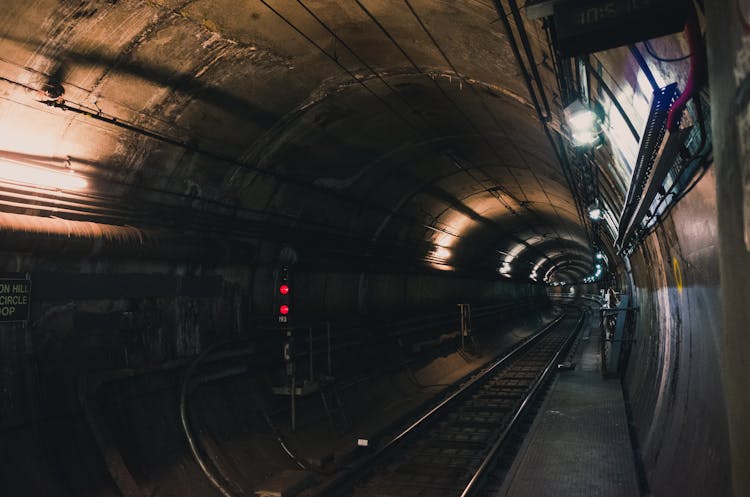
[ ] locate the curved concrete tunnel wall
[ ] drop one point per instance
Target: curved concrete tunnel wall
(133, 309)
(674, 381)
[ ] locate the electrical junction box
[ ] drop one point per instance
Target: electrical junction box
(586, 26)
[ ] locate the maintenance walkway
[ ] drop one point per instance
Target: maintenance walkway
(579, 444)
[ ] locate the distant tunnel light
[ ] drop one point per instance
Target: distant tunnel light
(41, 176)
(504, 270)
(595, 213)
(441, 253)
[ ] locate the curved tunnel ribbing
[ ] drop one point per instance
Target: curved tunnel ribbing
(395, 160)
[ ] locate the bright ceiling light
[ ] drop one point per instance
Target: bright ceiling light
(58, 178)
(584, 124)
(582, 119)
(442, 253)
(599, 256)
(583, 138)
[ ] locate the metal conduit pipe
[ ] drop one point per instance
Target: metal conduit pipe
(530, 57)
(698, 74)
(556, 144)
(20, 232)
(519, 60)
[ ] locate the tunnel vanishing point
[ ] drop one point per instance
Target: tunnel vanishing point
(246, 240)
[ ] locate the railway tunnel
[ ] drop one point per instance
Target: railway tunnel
(251, 241)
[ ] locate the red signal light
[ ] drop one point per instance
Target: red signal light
(284, 310)
(284, 289)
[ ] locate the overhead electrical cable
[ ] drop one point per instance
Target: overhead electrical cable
(484, 106)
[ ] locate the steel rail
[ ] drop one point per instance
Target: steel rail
(476, 481)
(359, 466)
(498, 363)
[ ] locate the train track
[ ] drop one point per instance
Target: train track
(449, 451)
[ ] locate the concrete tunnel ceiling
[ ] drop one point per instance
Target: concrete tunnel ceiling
(401, 130)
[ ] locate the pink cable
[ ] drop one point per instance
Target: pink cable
(697, 76)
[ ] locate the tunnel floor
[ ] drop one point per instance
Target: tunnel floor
(579, 442)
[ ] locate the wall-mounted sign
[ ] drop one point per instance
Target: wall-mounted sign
(586, 26)
(15, 300)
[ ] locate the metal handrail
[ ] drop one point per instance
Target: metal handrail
(399, 328)
(425, 322)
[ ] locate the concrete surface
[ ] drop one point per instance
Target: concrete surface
(401, 177)
(579, 443)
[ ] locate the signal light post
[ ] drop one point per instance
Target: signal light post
(283, 299)
(283, 296)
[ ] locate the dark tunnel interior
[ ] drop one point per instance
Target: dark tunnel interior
(203, 201)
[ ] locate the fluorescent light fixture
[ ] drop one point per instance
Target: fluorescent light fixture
(46, 177)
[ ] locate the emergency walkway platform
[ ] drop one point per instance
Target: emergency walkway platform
(579, 444)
